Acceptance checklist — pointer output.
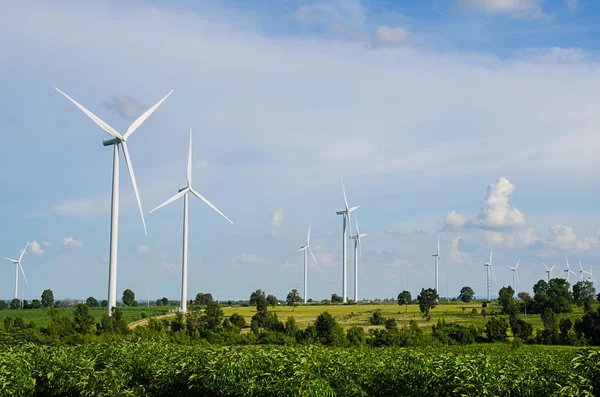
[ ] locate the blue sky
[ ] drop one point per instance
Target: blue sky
(477, 119)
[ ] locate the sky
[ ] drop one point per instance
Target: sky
(473, 119)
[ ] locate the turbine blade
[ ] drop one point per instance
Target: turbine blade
(494, 274)
(134, 126)
(189, 169)
(580, 265)
(345, 199)
(315, 259)
(516, 267)
(23, 252)
(517, 274)
(546, 266)
(134, 183)
(353, 209)
(308, 237)
(12, 260)
(438, 245)
(360, 251)
(209, 204)
(362, 235)
(23, 273)
(95, 119)
(175, 197)
(552, 267)
(303, 248)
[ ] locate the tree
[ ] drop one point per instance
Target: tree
(237, 320)
(356, 336)
(427, 301)
(272, 299)
(377, 318)
(329, 332)
(583, 294)
(203, 299)
(15, 304)
(3, 305)
(261, 303)
(104, 303)
(291, 327)
(47, 298)
(128, 297)
(214, 315)
(335, 298)
(254, 296)
(496, 329)
(293, 298)
(91, 302)
(404, 298)
(466, 294)
(554, 295)
(83, 320)
(505, 298)
(35, 304)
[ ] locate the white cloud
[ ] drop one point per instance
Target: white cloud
(125, 106)
(386, 35)
(572, 5)
(522, 239)
(47, 244)
(251, 258)
(515, 8)
(276, 220)
(561, 237)
(587, 244)
(496, 211)
(453, 220)
(493, 238)
(34, 247)
(456, 256)
(142, 249)
(70, 242)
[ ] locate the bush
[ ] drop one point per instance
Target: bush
(377, 318)
(496, 329)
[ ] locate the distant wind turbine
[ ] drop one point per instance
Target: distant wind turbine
(549, 271)
(581, 271)
(357, 247)
(489, 267)
(118, 140)
(346, 217)
(436, 259)
(184, 193)
(515, 275)
(306, 250)
(17, 263)
(568, 269)
(591, 277)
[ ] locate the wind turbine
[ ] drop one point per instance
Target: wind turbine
(591, 277)
(489, 267)
(306, 250)
(515, 276)
(118, 140)
(17, 263)
(568, 269)
(549, 271)
(436, 258)
(184, 193)
(357, 246)
(346, 217)
(581, 271)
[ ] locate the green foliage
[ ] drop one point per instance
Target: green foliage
(554, 295)
(427, 301)
(47, 298)
(454, 333)
(35, 304)
(293, 298)
(329, 332)
(466, 294)
(92, 302)
(128, 297)
(291, 327)
(496, 329)
(521, 329)
(203, 299)
(238, 320)
(115, 324)
(588, 327)
(15, 304)
(356, 336)
(83, 321)
(254, 297)
(272, 299)
(377, 318)
(3, 305)
(505, 298)
(583, 294)
(335, 298)
(214, 315)
(404, 298)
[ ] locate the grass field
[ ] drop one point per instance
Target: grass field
(346, 315)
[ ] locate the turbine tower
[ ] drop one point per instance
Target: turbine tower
(489, 268)
(184, 193)
(591, 277)
(346, 220)
(581, 271)
(549, 271)
(118, 140)
(17, 263)
(357, 246)
(515, 275)
(568, 269)
(307, 249)
(436, 258)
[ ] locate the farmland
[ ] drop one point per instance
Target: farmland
(159, 368)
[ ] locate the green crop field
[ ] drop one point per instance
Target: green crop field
(162, 368)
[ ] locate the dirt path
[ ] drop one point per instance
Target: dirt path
(144, 321)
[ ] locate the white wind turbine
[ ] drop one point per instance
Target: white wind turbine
(17, 263)
(346, 216)
(184, 193)
(549, 271)
(436, 261)
(357, 246)
(489, 267)
(515, 275)
(568, 269)
(306, 250)
(118, 140)
(591, 277)
(581, 271)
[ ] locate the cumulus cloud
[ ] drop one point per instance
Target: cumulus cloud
(251, 258)
(453, 220)
(514, 8)
(457, 255)
(125, 106)
(392, 36)
(70, 242)
(522, 239)
(35, 248)
(493, 238)
(561, 237)
(496, 211)
(142, 249)
(276, 221)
